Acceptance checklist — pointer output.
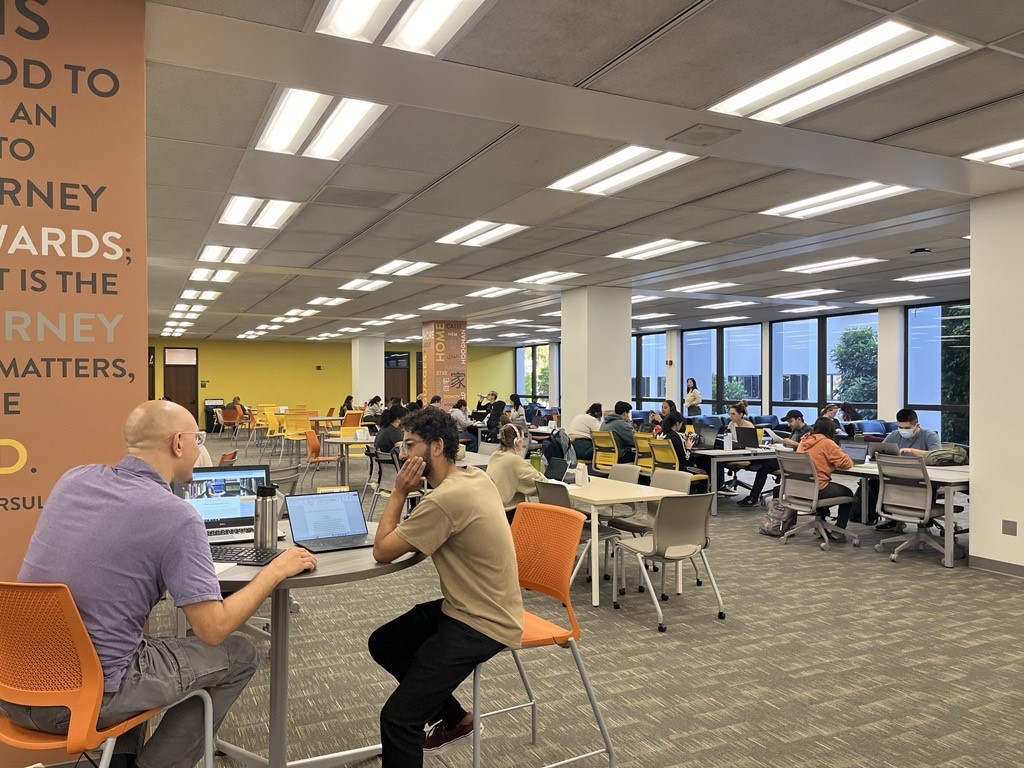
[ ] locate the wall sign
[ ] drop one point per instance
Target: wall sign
(444, 360)
(73, 310)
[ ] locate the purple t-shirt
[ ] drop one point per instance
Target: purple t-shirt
(119, 539)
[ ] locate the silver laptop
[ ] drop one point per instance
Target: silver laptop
(225, 498)
(856, 451)
(890, 448)
(328, 522)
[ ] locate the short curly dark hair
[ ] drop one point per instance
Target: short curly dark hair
(434, 424)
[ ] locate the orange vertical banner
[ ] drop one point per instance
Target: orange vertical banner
(444, 360)
(73, 310)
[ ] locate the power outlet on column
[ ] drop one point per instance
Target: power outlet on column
(1009, 527)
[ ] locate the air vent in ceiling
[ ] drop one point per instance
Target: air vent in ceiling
(761, 239)
(702, 135)
(358, 198)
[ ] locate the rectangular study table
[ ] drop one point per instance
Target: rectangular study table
(472, 459)
(603, 492)
(346, 444)
(332, 568)
(716, 455)
(949, 479)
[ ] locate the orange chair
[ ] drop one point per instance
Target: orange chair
(546, 538)
(352, 418)
(228, 459)
(47, 660)
(232, 418)
(314, 459)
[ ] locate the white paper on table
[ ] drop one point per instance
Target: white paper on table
(219, 568)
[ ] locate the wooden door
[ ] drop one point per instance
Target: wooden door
(181, 379)
(396, 384)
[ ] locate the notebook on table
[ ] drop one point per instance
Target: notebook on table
(328, 522)
(225, 498)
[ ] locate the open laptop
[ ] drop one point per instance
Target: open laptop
(746, 437)
(708, 435)
(328, 522)
(856, 451)
(559, 469)
(225, 498)
(890, 448)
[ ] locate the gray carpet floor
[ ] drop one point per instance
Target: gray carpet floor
(836, 658)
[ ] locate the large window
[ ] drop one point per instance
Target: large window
(741, 366)
(938, 368)
(533, 373)
(648, 370)
(826, 359)
(700, 362)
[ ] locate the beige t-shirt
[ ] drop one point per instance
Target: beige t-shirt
(513, 476)
(461, 524)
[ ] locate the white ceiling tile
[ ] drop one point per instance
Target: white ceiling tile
(538, 207)
(982, 20)
(608, 212)
(333, 219)
(536, 158)
(291, 14)
(188, 165)
(467, 197)
(175, 203)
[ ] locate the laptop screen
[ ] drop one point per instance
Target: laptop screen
(747, 437)
(708, 435)
(224, 497)
(856, 451)
(325, 515)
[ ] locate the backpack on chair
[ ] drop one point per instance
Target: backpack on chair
(778, 519)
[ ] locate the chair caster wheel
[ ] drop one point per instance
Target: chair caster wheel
(855, 541)
(266, 627)
(654, 568)
(622, 591)
(641, 588)
(959, 553)
(662, 627)
(721, 614)
(664, 597)
(615, 605)
(784, 539)
(294, 607)
(218, 753)
(894, 558)
(589, 579)
(879, 548)
(607, 577)
(699, 582)
(824, 546)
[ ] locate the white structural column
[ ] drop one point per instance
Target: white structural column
(766, 368)
(997, 521)
(367, 367)
(596, 325)
(554, 375)
(674, 389)
(891, 354)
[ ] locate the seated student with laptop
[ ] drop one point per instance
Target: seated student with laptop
(797, 429)
(119, 538)
(434, 646)
(911, 440)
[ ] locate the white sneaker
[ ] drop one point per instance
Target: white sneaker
(727, 492)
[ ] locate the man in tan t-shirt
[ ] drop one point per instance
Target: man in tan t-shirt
(433, 647)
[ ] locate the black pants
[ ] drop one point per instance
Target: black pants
(764, 468)
(429, 654)
(833, 491)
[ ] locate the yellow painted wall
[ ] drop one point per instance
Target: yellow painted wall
(486, 368)
(283, 373)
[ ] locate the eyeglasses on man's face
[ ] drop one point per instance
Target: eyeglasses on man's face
(200, 436)
(407, 445)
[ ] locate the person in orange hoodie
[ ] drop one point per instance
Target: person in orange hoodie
(827, 456)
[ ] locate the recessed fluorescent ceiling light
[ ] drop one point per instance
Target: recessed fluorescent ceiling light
(701, 287)
(800, 310)
(873, 57)
(727, 305)
(828, 266)
(491, 293)
(203, 295)
(806, 294)
(545, 278)
(552, 314)
(377, 322)
(893, 299)
(652, 315)
(1008, 155)
(619, 170)
(294, 116)
(240, 210)
(274, 214)
(510, 335)
(356, 19)
(477, 341)
(404, 268)
(848, 197)
(481, 233)
(967, 237)
(363, 284)
(350, 330)
(726, 319)
(438, 306)
(638, 299)
(428, 25)
(655, 327)
(657, 248)
(512, 321)
(220, 276)
(399, 316)
(349, 121)
(327, 301)
(480, 326)
(948, 275)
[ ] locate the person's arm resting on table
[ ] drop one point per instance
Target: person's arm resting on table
(388, 546)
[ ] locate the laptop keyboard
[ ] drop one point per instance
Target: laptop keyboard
(242, 555)
(229, 531)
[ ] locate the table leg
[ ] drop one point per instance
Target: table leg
(344, 470)
(713, 484)
(947, 557)
(864, 511)
(595, 559)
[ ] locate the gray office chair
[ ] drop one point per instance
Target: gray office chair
(641, 525)
(905, 495)
(799, 492)
(389, 464)
(624, 473)
(486, 449)
(681, 532)
(557, 495)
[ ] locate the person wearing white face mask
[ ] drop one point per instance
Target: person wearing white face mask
(912, 440)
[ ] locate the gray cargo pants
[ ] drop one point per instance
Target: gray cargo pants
(161, 672)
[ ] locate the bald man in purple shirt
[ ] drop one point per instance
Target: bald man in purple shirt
(119, 539)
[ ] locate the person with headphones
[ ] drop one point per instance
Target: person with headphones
(513, 475)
